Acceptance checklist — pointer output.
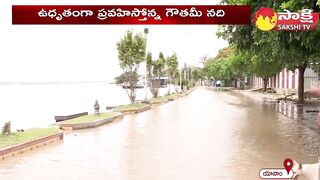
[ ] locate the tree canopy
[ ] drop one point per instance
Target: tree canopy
(172, 69)
(155, 71)
(272, 49)
(131, 52)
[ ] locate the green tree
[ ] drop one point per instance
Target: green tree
(119, 79)
(293, 49)
(131, 52)
(197, 73)
(301, 48)
(172, 69)
(177, 80)
(225, 66)
(239, 63)
(219, 69)
(155, 71)
(264, 68)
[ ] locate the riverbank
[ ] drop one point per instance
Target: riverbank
(132, 108)
(19, 142)
(306, 114)
(89, 121)
(27, 135)
(164, 99)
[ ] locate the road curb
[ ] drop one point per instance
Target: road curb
(135, 111)
(100, 122)
(13, 150)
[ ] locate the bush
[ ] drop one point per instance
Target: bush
(6, 129)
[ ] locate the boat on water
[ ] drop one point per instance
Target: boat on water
(64, 118)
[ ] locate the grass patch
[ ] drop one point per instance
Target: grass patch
(130, 107)
(164, 98)
(171, 96)
(157, 100)
(89, 118)
(26, 136)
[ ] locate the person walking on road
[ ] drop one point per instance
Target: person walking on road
(218, 84)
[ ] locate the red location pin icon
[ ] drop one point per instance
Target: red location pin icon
(288, 163)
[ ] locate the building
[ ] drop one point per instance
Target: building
(287, 80)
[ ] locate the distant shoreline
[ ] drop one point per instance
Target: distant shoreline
(53, 82)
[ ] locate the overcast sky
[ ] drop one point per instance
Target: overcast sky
(88, 52)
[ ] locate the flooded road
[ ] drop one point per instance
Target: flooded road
(206, 135)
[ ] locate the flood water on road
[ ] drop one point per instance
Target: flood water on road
(206, 135)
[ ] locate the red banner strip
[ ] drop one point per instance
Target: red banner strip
(133, 14)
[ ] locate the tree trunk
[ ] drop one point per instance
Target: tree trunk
(132, 99)
(155, 84)
(155, 92)
(265, 84)
(132, 96)
(302, 68)
(132, 91)
(169, 80)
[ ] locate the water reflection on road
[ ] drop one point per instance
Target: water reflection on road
(206, 135)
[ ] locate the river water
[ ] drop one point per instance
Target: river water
(206, 135)
(35, 105)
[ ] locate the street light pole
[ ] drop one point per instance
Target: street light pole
(146, 31)
(145, 84)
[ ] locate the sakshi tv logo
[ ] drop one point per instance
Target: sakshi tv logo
(305, 20)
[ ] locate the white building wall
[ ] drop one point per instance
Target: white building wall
(285, 78)
(280, 80)
(297, 79)
(290, 79)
